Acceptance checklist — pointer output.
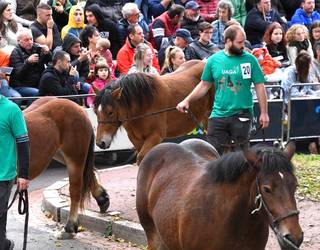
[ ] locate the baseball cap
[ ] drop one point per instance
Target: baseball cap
(192, 5)
(185, 34)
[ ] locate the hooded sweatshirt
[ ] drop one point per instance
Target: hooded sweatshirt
(72, 27)
(82, 67)
(106, 28)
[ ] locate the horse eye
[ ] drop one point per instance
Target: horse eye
(267, 189)
(110, 113)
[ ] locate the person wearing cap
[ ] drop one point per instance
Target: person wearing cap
(203, 47)
(165, 25)
(231, 73)
(192, 18)
(182, 39)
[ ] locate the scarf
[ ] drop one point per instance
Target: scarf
(304, 45)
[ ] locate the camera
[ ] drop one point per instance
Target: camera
(83, 50)
(38, 49)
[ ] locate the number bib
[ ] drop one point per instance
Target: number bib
(246, 70)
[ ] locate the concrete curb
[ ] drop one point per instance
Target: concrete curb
(59, 208)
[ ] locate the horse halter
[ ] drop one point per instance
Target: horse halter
(275, 221)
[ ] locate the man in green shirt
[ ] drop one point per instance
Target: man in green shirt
(14, 143)
(231, 73)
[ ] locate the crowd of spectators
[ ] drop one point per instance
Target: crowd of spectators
(82, 45)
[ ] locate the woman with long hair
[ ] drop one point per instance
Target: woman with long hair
(8, 27)
(314, 33)
(300, 72)
(142, 60)
(297, 37)
(275, 41)
(174, 58)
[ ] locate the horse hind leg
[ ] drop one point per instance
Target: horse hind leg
(100, 194)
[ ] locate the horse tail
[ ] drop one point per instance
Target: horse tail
(88, 178)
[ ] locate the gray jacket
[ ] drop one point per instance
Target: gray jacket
(203, 51)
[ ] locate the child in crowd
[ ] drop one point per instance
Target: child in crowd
(103, 49)
(142, 61)
(174, 58)
(102, 74)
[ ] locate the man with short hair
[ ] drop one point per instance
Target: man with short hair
(305, 15)
(14, 144)
(203, 47)
(231, 72)
(258, 20)
(44, 30)
(131, 15)
(166, 25)
(126, 53)
(28, 60)
(60, 78)
(182, 39)
(192, 18)
(79, 56)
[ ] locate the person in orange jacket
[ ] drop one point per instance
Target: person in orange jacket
(126, 53)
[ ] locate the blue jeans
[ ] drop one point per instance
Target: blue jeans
(5, 191)
(28, 92)
(6, 90)
(221, 131)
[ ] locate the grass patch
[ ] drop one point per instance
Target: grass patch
(308, 174)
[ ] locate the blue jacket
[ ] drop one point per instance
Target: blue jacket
(301, 17)
(157, 8)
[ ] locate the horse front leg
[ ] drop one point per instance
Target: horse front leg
(148, 144)
(100, 194)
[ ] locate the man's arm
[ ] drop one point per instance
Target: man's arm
(263, 103)
(199, 91)
(23, 161)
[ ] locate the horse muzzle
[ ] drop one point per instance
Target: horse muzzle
(105, 142)
(287, 242)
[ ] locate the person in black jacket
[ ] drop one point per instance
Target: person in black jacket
(28, 60)
(60, 11)
(107, 28)
(79, 56)
(60, 78)
(192, 18)
(258, 20)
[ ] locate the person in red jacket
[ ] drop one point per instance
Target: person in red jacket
(165, 25)
(126, 53)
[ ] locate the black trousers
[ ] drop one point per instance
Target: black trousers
(221, 131)
(5, 191)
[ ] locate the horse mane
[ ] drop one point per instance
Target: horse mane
(231, 166)
(137, 88)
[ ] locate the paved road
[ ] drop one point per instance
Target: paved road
(42, 229)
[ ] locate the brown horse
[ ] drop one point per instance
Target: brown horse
(138, 95)
(60, 129)
(189, 198)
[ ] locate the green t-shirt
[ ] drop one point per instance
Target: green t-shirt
(232, 77)
(12, 125)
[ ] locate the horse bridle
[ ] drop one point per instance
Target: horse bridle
(120, 122)
(275, 221)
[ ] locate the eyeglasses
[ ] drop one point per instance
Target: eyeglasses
(136, 15)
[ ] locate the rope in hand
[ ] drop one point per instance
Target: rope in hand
(23, 208)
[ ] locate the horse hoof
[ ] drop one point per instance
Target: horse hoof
(63, 235)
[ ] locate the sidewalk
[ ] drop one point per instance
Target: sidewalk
(122, 220)
(120, 183)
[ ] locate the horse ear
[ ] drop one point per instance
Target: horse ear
(252, 158)
(289, 150)
(117, 93)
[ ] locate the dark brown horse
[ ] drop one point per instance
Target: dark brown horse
(189, 198)
(137, 95)
(60, 129)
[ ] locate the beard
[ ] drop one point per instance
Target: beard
(233, 50)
